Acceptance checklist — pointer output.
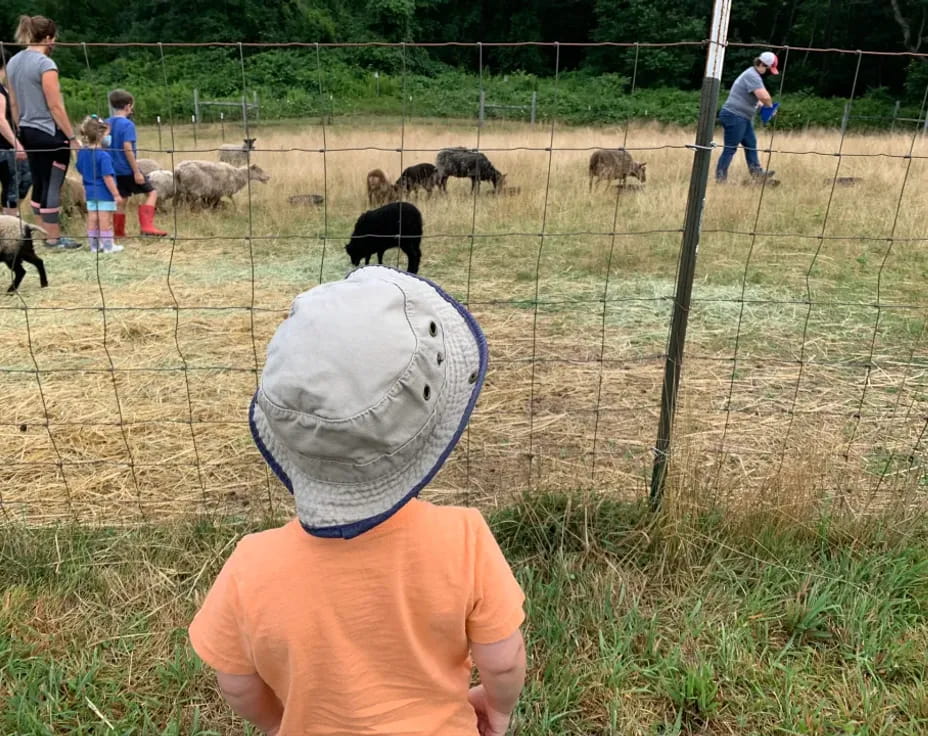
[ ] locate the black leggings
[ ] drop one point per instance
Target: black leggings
(49, 156)
(8, 193)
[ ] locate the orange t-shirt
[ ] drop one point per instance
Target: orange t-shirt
(367, 635)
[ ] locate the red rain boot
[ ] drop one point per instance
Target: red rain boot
(147, 221)
(119, 224)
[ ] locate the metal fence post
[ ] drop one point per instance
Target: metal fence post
(481, 112)
(699, 175)
(534, 102)
(196, 102)
(892, 128)
(845, 117)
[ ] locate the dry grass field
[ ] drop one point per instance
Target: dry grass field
(125, 384)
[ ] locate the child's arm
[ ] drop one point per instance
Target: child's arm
(502, 675)
(253, 700)
(133, 164)
(110, 182)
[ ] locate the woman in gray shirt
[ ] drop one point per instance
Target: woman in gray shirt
(737, 115)
(44, 128)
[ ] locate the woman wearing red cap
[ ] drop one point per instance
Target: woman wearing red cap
(737, 115)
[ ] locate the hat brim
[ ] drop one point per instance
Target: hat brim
(773, 70)
(341, 510)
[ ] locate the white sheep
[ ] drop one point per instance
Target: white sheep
(147, 165)
(163, 182)
(236, 155)
(16, 247)
(207, 182)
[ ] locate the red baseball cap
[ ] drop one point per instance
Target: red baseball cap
(770, 59)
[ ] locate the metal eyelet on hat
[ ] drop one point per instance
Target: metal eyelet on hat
(427, 392)
(433, 329)
(440, 358)
(472, 378)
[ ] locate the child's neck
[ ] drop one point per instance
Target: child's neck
(97, 145)
(120, 114)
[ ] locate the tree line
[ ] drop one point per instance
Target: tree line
(884, 25)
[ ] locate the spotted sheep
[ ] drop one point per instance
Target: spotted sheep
(17, 247)
(615, 163)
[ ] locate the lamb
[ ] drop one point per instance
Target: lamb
(466, 164)
(413, 178)
(379, 190)
(615, 163)
(235, 155)
(207, 182)
(398, 224)
(163, 182)
(147, 165)
(16, 246)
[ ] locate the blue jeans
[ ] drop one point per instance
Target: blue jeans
(738, 131)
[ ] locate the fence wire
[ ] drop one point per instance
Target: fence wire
(574, 288)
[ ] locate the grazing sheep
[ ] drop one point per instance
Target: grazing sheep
(424, 176)
(398, 224)
(466, 164)
(301, 199)
(147, 165)
(207, 182)
(16, 247)
(379, 190)
(236, 155)
(163, 182)
(614, 163)
(73, 199)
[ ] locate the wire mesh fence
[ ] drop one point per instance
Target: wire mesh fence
(126, 383)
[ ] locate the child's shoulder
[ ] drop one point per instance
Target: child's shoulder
(446, 522)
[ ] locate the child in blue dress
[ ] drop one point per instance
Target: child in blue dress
(99, 177)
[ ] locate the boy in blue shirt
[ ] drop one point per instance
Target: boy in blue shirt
(129, 179)
(99, 178)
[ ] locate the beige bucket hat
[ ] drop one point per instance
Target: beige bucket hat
(368, 386)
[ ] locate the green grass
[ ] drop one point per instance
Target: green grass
(636, 625)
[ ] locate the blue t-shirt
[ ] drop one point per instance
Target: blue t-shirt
(93, 164)
(122, 130)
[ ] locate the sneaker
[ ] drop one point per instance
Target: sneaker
(114, 249)
(63, 243)
(761, 174)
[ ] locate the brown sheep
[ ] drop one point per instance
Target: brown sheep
(615, 163)
(379, 190)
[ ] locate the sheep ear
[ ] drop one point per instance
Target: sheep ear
(643, 165)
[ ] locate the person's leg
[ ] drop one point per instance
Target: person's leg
(119, 217)
(147, 210)
(749, 141)
(8, 195)
(93, 227)
(106, 229)
(734, 131)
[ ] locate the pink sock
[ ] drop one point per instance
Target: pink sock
(93, 238)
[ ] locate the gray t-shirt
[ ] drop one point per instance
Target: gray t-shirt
(24, 73)
(741, 100)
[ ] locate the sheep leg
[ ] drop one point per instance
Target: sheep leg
(367, 260)
(413, 256)
(18, 273)
(379, 256)
(30, 256)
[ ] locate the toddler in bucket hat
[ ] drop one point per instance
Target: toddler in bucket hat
(368, 385)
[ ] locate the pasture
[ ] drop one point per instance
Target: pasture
(802, 392)
(826, 331)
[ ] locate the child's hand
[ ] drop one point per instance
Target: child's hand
(489, 722)
(139, 177)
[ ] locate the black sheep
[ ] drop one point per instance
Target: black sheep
(398, 224)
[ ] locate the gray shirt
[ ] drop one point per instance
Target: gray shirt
(24, 73)
(741, 100)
